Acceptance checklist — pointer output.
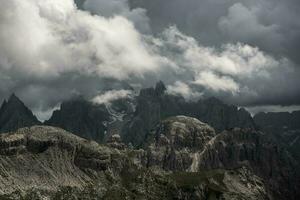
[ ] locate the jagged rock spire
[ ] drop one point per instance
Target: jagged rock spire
(160, 88)
(14, 114)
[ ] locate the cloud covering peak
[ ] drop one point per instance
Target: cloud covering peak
(53, 49)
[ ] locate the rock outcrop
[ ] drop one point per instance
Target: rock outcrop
(48, 159)
(246, 147)
(14, 115)
(177, 139)
(44, 162)
(186, 144)
(180, 157)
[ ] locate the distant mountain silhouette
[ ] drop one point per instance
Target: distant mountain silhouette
(14, 115)
(278, 120)
(93, 121)
(284, 127)
(154, 104)
(179, 155)
(81, 117)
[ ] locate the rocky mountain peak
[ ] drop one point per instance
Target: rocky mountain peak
(14, 98)
(14, 114)
(154, 105)
(81, 117)
(160, 88)
(184, 132)
(176, 140)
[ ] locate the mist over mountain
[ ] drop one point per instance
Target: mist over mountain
(149, 100)
(81, 117)
(155, 104)
(131, 116)
(155, 135)
(14, 115)
(138, 43)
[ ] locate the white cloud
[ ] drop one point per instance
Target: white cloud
(183, 89)
(216, 83)
(56, 47)
(238, 73)
(47, 38)
(232, 68)
(44, 115)
(232, 59)
(111, 95)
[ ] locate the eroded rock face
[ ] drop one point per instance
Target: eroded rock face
(186, 144)
(47, 158)
(44, 162)
(176, 140)
(115, 141)
(246, 147)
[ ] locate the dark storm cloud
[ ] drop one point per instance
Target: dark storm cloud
(272, 25)
(240, 51)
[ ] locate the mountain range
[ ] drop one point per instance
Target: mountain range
(14, 114)
(151, 146)
(138, 116)
(183, 159)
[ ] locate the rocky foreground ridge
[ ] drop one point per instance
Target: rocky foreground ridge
(182, 159)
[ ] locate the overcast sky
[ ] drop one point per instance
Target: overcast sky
(244, 52)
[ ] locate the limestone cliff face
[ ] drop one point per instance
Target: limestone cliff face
(175, 142)
(186, 144)
(46, 158)
(246, 147)
(44, 162)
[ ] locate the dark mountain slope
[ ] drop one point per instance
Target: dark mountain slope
(81, 117)
(133, 118)
(154, 104)
(14, 114)
(289, 121)
(284, 127)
